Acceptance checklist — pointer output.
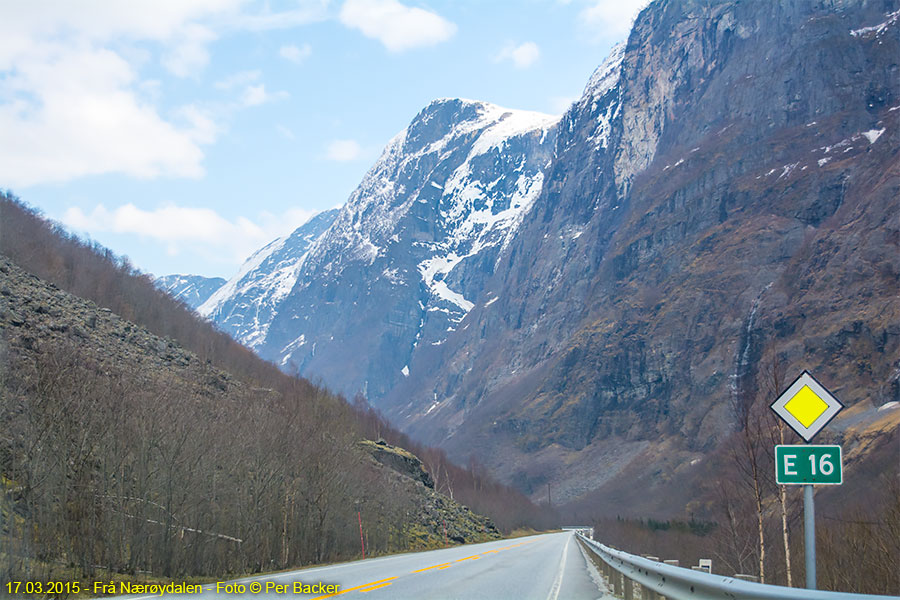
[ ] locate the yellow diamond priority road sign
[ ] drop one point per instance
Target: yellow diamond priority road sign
(806, 406)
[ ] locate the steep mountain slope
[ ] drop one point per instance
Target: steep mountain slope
(245, 305)
(732, 197)
(193, 290)
(411, 248)
(351, 301)
(606, 289)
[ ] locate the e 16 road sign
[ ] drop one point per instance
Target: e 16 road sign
(816, 465)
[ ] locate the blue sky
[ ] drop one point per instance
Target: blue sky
(186, 134)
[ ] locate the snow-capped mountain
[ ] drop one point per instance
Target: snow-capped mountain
(193, 290)
(245, 306)
(602, 288)
(398, 265)
(409, 252)
(722, 199)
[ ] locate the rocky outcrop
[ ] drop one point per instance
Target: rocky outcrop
(438, 519)
(35, 314)
(400, 460)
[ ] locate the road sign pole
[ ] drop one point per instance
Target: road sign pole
(809, 535)
(806, 406)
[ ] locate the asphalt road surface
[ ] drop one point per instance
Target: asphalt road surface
(540, 567)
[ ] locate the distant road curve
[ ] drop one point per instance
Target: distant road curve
(539, 567)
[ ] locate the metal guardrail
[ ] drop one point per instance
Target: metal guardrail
(677, 583)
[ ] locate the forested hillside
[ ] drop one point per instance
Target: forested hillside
(137, 438)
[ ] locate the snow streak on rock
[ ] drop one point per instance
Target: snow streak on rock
(193, 290)
(470, 199)
(245, 305)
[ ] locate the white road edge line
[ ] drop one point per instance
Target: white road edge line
(557, 583)
(596, 576)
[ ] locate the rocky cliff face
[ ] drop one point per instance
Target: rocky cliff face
(732, 196)
(601, 290)
(193, 290)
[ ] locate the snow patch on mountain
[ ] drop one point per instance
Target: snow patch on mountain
(506, 124)
(606, 76)
(879, 29)
(193, 290)
(245, 306)
(473, 213)
(873, 134)
(234, 285)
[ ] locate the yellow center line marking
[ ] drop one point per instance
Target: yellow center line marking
(359, 587)
(368, 587)
(375, 587)
(440, 566)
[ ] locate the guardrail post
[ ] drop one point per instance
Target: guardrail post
(629, 588)
(617, 583)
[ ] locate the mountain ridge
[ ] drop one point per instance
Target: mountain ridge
(243, 305)
(193, 290)
(619, 379)
(671, 239)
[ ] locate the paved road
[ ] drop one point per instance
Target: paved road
(541, 567)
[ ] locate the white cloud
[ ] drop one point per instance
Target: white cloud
(304, 12)
(395, 25)
(72, 102)
(189, 229)
(610, 20)
(522, 56)
(343, 150)
(239, 79)
(254, 95)
(189, 54)
(75, 111)
(285, 132)
(104, 20)
(202, 127)
(295, 54)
